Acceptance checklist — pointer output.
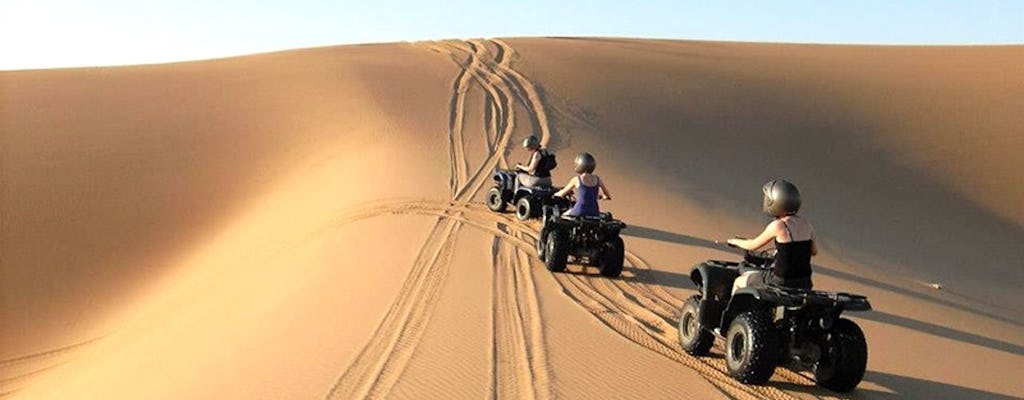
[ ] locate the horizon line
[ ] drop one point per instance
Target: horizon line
(312, 46)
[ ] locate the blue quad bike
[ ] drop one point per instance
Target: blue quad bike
(769, 326)
(590, 240)
(528, 200)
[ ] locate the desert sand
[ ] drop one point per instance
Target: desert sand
(309, 224)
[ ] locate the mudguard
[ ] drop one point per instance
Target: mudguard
(745, 298)
(772, 295)
(852, 302)
(714, 281)
(506, 181)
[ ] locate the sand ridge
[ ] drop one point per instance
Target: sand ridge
(523, 358)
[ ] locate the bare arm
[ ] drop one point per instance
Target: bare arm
(534, 161)
(769, 234)
(814, 243)
(600, 182)
(568, 187)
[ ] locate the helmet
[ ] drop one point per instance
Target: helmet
(781, 198)
(531, 142)
(585, 163)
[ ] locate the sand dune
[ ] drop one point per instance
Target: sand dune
(309, 224)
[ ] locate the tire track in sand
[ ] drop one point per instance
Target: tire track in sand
(519, 366)
(381, 362)
(519, 356)
(15, 371)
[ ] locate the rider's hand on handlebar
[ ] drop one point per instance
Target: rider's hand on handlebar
(734, 242)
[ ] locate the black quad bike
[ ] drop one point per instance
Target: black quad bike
(588, 240)
(765, 326)
(528, 200)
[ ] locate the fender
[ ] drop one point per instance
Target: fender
(747, 299)
(853, 302)
(714, 282)
(771, 295)
(505, 180)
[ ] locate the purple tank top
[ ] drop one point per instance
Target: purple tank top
(586, 201)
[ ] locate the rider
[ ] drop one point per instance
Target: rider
(588, 185)
(538, 171)
(793, 236)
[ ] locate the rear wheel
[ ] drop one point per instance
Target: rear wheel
(494, 200)
(557, 253)
(612, 257)
(844, 361)
(526, 208)
(751, 348)
(695, 339)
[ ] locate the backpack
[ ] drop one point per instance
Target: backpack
(547, 161)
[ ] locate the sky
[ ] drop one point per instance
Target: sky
(67, 33)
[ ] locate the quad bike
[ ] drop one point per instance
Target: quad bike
(588, 240)
(767, 326)
(528, 200)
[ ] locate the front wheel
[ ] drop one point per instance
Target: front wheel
(845, 359)
(557, 253)
(494, 200)
(612, 257)
(695, 339)
(542, 243)
(751, 348)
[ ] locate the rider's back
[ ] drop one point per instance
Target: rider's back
(545, 163)
(795, 247)
(586, 196)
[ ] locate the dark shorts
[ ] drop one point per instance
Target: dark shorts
(798, 283)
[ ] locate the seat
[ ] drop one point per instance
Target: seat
(583, 218)
(533, 189)
(744, 268)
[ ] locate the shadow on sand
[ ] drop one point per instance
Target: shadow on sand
(900, 387)
(682, 280)
(670, 237)
(818, 269)
(937, 330)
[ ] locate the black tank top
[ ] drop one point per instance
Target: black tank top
(543, 169)
(793, 261)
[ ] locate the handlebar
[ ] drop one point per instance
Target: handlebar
(727, 244)
(572, 196)
(762, 258)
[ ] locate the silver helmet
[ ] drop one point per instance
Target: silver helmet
(531, 142)
(585, 163)
(781, 198)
